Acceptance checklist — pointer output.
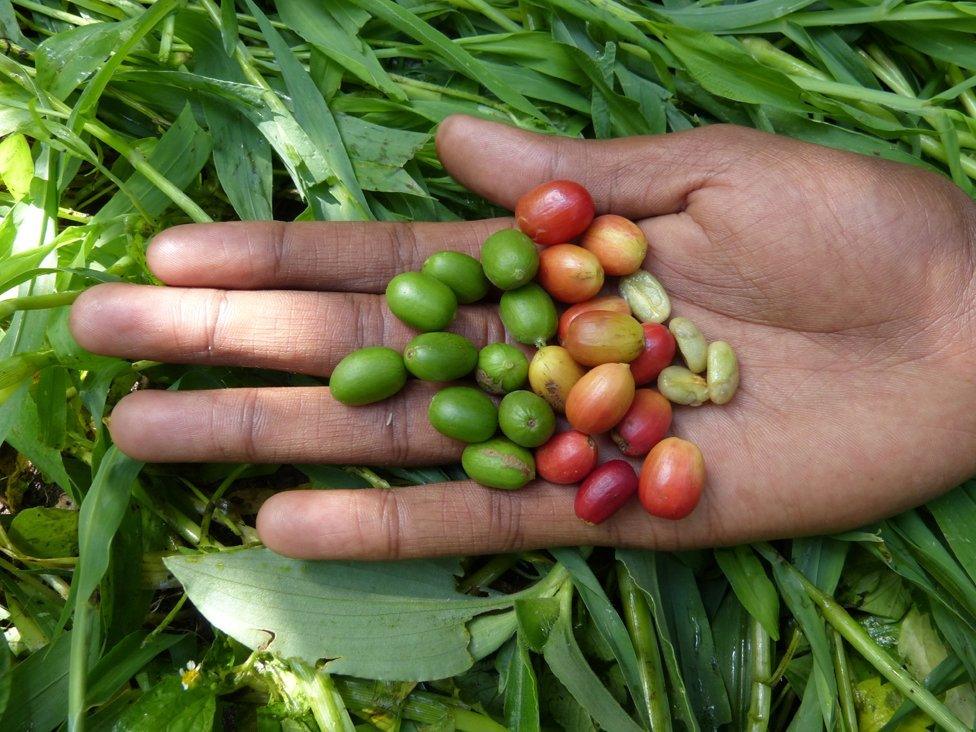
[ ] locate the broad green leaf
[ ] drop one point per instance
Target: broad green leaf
(39, 687)
(452, 54)
(607, 621)
(936, 559)
(821, 560)
(955, 513)
(812, 625)
(123, 661)
(25, 436)
(725, 18)
(169, 706)
(84, 106)
(16, 165)
(725, 69)
(751, 585)
(99, 517)
(642, 567)
(344, 197)
(242, 158)
(570, 666)
(179, 155)
(690, 628)
(45, 532)
(314, 22)
(382, 620)
(5, 665)
(521, 691)
(733, 649)
(536, 618)
(66, 59)
(228, 26)
(52, 409)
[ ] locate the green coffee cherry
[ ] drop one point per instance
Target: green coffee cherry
(368, 375)
(421, 301)
(498, 463)
(463, 413)
(461, 272)
(501, 368)
(440, 356)
(526, 418)
(529, 314)
(509, 258)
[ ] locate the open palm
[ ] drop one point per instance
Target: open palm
(845, 283)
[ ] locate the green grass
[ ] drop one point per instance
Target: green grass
(121, 118)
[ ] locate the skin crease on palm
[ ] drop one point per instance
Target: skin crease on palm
(845, 283)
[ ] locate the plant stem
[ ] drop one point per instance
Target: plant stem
(170, 616)
(761, 694)
(488, 572)
(967, 97)
(78, 665)
(37, 302)
(641, 628)
(848, 711)
(874, 654)
(787, 657)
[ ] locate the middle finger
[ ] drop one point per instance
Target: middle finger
(304, 332)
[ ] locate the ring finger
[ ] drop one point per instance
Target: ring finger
(304, 332)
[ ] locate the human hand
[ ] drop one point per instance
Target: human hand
(845, 283)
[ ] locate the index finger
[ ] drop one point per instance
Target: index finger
(340, 256)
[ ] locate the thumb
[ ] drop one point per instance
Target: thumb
(634, 177)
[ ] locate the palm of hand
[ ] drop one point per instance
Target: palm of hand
(842, 282)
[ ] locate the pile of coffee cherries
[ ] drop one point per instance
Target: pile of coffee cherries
(611, 349)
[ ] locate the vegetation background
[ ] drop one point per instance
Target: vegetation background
(121, 584)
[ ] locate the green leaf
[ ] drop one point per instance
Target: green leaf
(66, 59)
(123, 661)
(5, 665)
(955, 512)
(99, 517)
(689, 626)
(642, 567)
(16, 165)
(812, 625)
(88, 99)
(169, 706)
(751, 585)
(315, 23)
(381, 620)
(345, 199)
(228, 26)
(725, 69)
(607, 621)
(179, 155)
(242, 158)
(724, 18)
(39, 687)
(521, 691)
(536, 618)
(569, 665)
(25, 436)
(45, 532)
(452, 54)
